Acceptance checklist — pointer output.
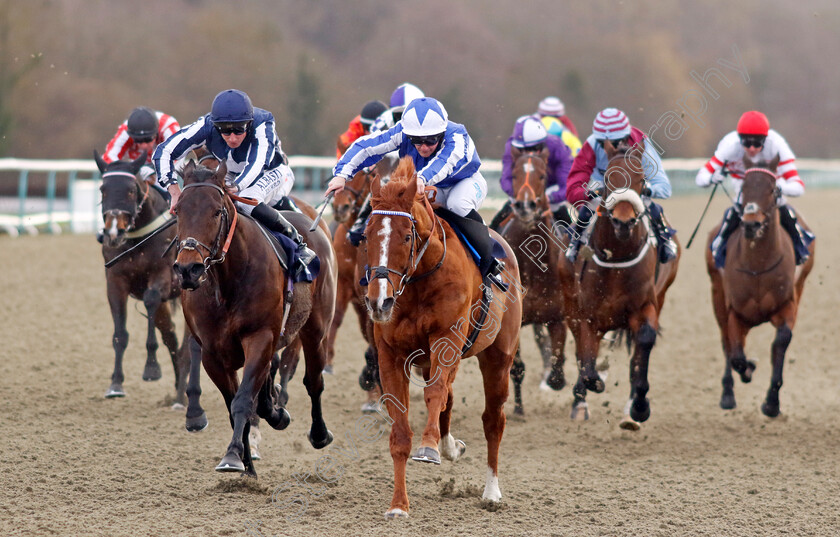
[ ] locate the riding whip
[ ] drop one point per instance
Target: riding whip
(114, 261)
(324, 206)
(724, 172)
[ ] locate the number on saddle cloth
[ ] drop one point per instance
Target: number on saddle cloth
(473, 234)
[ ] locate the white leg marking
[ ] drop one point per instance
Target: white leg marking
(491, 487)
(450, 448)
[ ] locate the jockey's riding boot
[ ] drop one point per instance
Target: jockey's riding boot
(503, 213)
(731, 220)
(495, 274)
(582, 221)
(357, 230)
(666, 247)
(801, 238)
(274, 221)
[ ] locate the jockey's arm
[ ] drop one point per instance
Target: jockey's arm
(657, 179)
(582, 168)
(506, 180)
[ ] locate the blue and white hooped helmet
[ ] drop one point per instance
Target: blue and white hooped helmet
(528, 131)
(424, 117)
(404, 94)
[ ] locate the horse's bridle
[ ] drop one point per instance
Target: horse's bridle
(358, 198)
(143, 195)
(376, 272)
(191, 243)
(537, 199)
(752, 207)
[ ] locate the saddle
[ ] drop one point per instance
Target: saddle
(472, 232)
(286, 251)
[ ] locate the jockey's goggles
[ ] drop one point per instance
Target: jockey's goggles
(143, 139)
(232, 128)
(615, 143)
(753, 141)
(533, 148)
(426, 140)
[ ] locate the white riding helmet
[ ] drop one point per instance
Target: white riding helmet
(424, 117)
(528, 131)
(404, 94)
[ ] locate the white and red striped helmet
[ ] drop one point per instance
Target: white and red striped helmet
(612, 124)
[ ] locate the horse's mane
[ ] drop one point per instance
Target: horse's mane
(198, 173)
(394, 192)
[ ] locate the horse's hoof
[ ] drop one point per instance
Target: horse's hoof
(556, 381)
(391, 514)
(596, 384)
(230, 463)
(451, 448)
(746, 375)
(197, 424)
(115, 391)
(328, 369)
(254, 439)
(178, 407)
(426, 454)
(151, 372)
(282, 420)
(640, 414)
(771, 411)
(544, 386)
(629, 424)
(727, 402)
(255, 454)
(323, 443)
(580, 411)
(371, 407)
(518, 410)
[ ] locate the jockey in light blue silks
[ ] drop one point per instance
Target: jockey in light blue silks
(444, 156)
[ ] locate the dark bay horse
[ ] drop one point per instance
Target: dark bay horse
(532, 228)
(424, 293)
(236, 301)
(132, 210)
(759, 282)
(620, 286)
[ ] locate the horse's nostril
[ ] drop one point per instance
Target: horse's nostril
(388, 303)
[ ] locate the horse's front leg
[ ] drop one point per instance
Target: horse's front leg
(164, 323)
(117, 300)
(395, 388)
(556, 379)
(257, 349)
(588, 342)
(736, 332)
(643, 327)
(196, 418)
(784, 324)
(152, 300)
(445, 357)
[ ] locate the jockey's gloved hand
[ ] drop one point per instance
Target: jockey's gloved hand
(336, 185)
(595, 191)
(716, 179)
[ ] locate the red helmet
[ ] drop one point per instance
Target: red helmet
(753, 122)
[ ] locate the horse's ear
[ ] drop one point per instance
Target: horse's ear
(221, 173)
(100, 163)
(609, 148)
(188, 171)
(375, 186)
(545, 154)
(748, 163)
(411, 188)
(137, 163)
(515, 152)
(773, 164)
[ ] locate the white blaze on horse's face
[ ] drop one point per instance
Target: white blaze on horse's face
(528, 167)
(385, 233)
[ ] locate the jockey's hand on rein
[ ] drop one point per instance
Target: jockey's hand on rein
(336, 184)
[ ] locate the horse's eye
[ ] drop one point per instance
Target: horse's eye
(407, 238)
(218, 213)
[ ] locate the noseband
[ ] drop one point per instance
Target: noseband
(191, 243)
(376, 272)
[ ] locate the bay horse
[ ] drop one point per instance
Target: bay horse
(620, 286)
(542, 304)
(423, 293)
(759, 282)
(132, 210)
(241, 306)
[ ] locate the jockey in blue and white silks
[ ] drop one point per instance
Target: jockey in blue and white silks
(243, 137)
(444, 156)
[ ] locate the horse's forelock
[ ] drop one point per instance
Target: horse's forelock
(392, 194)
(198, 174)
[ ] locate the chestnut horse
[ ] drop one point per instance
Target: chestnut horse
(620, 286)
(424, 293)
(132, 210)
(532, 227)
(759, 282)
(242, 307)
